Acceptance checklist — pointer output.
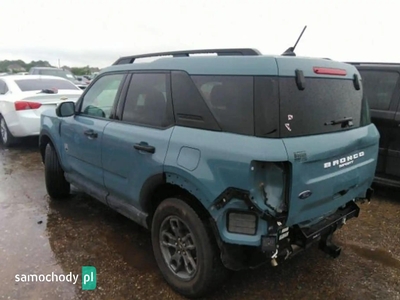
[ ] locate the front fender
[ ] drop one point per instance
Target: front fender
(50, 130)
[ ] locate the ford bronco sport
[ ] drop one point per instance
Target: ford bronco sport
(230, 160)
(382, 91)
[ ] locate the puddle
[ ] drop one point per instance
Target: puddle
(379, 255)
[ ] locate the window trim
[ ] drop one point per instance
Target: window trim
(79, 103)
(123, 98)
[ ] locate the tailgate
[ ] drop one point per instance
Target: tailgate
(331, 169)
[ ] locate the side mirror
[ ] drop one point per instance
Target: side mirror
(65, 109)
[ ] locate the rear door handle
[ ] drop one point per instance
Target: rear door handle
(90, 134)
(143, 146)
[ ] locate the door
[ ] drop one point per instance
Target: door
(381, 90)
(135, 147)
(82, 134)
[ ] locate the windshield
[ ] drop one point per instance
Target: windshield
(26, 85)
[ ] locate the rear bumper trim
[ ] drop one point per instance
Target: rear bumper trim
(330, 224)
(301, 238)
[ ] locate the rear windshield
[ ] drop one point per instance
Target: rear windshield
(323, 102)
(26, 85)
(379, 87)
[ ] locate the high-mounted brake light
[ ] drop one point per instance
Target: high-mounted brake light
(24, 105)
(329, 71)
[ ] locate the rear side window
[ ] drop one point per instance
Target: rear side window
(190, 109)
(230, 99)
(379, 87)
(148, 100)
(26, 85)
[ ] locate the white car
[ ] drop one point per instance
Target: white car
(24, 97)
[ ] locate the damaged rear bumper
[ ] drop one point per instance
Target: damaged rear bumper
(287, 242)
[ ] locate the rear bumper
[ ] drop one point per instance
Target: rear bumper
(276, 240)
(288, 242)
(307, 236)
(23, 123)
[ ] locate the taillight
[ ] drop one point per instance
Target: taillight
(271, 184)
(329, 71)
(24, 105)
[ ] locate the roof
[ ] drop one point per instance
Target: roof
(237, 65)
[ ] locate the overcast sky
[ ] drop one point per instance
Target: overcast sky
(97, 32)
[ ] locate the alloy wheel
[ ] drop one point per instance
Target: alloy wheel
(178, 247)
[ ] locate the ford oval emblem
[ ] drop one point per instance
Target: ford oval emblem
(305, 194)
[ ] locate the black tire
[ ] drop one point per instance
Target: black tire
(209, 271)
(7, 139)
(56, 185)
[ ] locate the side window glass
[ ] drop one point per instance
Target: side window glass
(148, 101)
(100, 98)
(230, 99)
(379, 87)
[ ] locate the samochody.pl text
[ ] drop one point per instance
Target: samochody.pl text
(72, 278)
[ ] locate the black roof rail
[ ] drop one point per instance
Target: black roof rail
(185, 53)
(373, 63)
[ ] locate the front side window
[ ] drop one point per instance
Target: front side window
(101, 96)
(148, 100)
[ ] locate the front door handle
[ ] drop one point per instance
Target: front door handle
(90, 134)
(143, 146)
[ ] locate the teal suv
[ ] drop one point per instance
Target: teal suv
(230, 160)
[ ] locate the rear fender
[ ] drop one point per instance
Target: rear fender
(188, 185)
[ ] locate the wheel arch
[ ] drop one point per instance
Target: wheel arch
(45, 139)
(162, 186)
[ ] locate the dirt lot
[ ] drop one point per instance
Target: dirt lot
(40, 237)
